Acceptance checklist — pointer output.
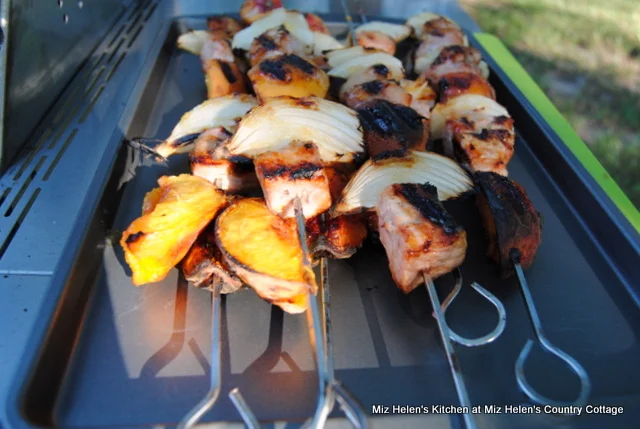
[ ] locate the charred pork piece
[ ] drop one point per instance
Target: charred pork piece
(388, 90)
(455, 59)
(273, 43)
(338, 237)
(211, 160)
(438, 34)
(263, 250)
(475, 130)
(510, 220)
(423, 97)
(375, 72)
(204, 263)
(253, 10)
(418, 234)
(295, 171)
(391, 130)
(288, 75)
(173, 216)
(456, 84)
(223, 23)
(376, 40)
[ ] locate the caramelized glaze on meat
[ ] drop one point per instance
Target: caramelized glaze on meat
(338, 237)
(295, 171)
(418, 234)
(391, 129)
(455, 84)
(454, 59)
(510, 220)
(223, 78)
(388, 90)
(480, 142)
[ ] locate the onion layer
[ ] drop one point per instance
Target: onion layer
(364, 189)
(397, 32)
(360, 63)
(334, 128)
(193, 41)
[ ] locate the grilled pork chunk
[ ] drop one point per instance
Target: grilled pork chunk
(253, 10)
(211, 160)
(418, 234)
(392, 130)
(377, 40)
(481, 142)
(273, 43)
(455, 59)
(455, 84)
(173, 216)
(438, 34)
(510, 220)
(203, 264)
(295, 171)
(375, 72)
(340, 237)
(263, 250)
(388, 90)
(288, 75)
(224, 23)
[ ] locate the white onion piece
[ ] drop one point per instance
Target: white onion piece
(397, 32)
(222, 111)
(484, 69)
(338, 57)
(193, 41)
(243, 38)
(461, 106)
(358, 64)
(324, 42)
(334, 128)
(418, 21)
(298, 26)
(364, 189)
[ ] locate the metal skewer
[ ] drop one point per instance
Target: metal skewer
(330, 389)
(585, 383)
(194, 416)
(445, 334)
(502, 313)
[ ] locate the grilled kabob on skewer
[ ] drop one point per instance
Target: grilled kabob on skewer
(475, 130)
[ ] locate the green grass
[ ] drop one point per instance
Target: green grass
(585, 55)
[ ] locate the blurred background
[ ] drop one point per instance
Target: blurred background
(585, 54)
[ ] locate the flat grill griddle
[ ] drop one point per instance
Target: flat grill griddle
(120, 356)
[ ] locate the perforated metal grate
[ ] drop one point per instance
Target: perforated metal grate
(22, 183)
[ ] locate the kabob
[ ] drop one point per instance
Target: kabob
(301, 149)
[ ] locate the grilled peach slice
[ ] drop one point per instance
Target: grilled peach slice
(264, 251)
(173, 217)
(288, 75)
(223, 78)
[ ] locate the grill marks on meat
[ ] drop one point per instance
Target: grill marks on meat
(376, 40)
(455, 84)
(392, 130)
(388, 90)
(480, 142)
(211, 160)
(510, 220)
(454, 59)
(295, 171)
(288, 75)
(273, 43)
(203, 264)
(418, 234)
